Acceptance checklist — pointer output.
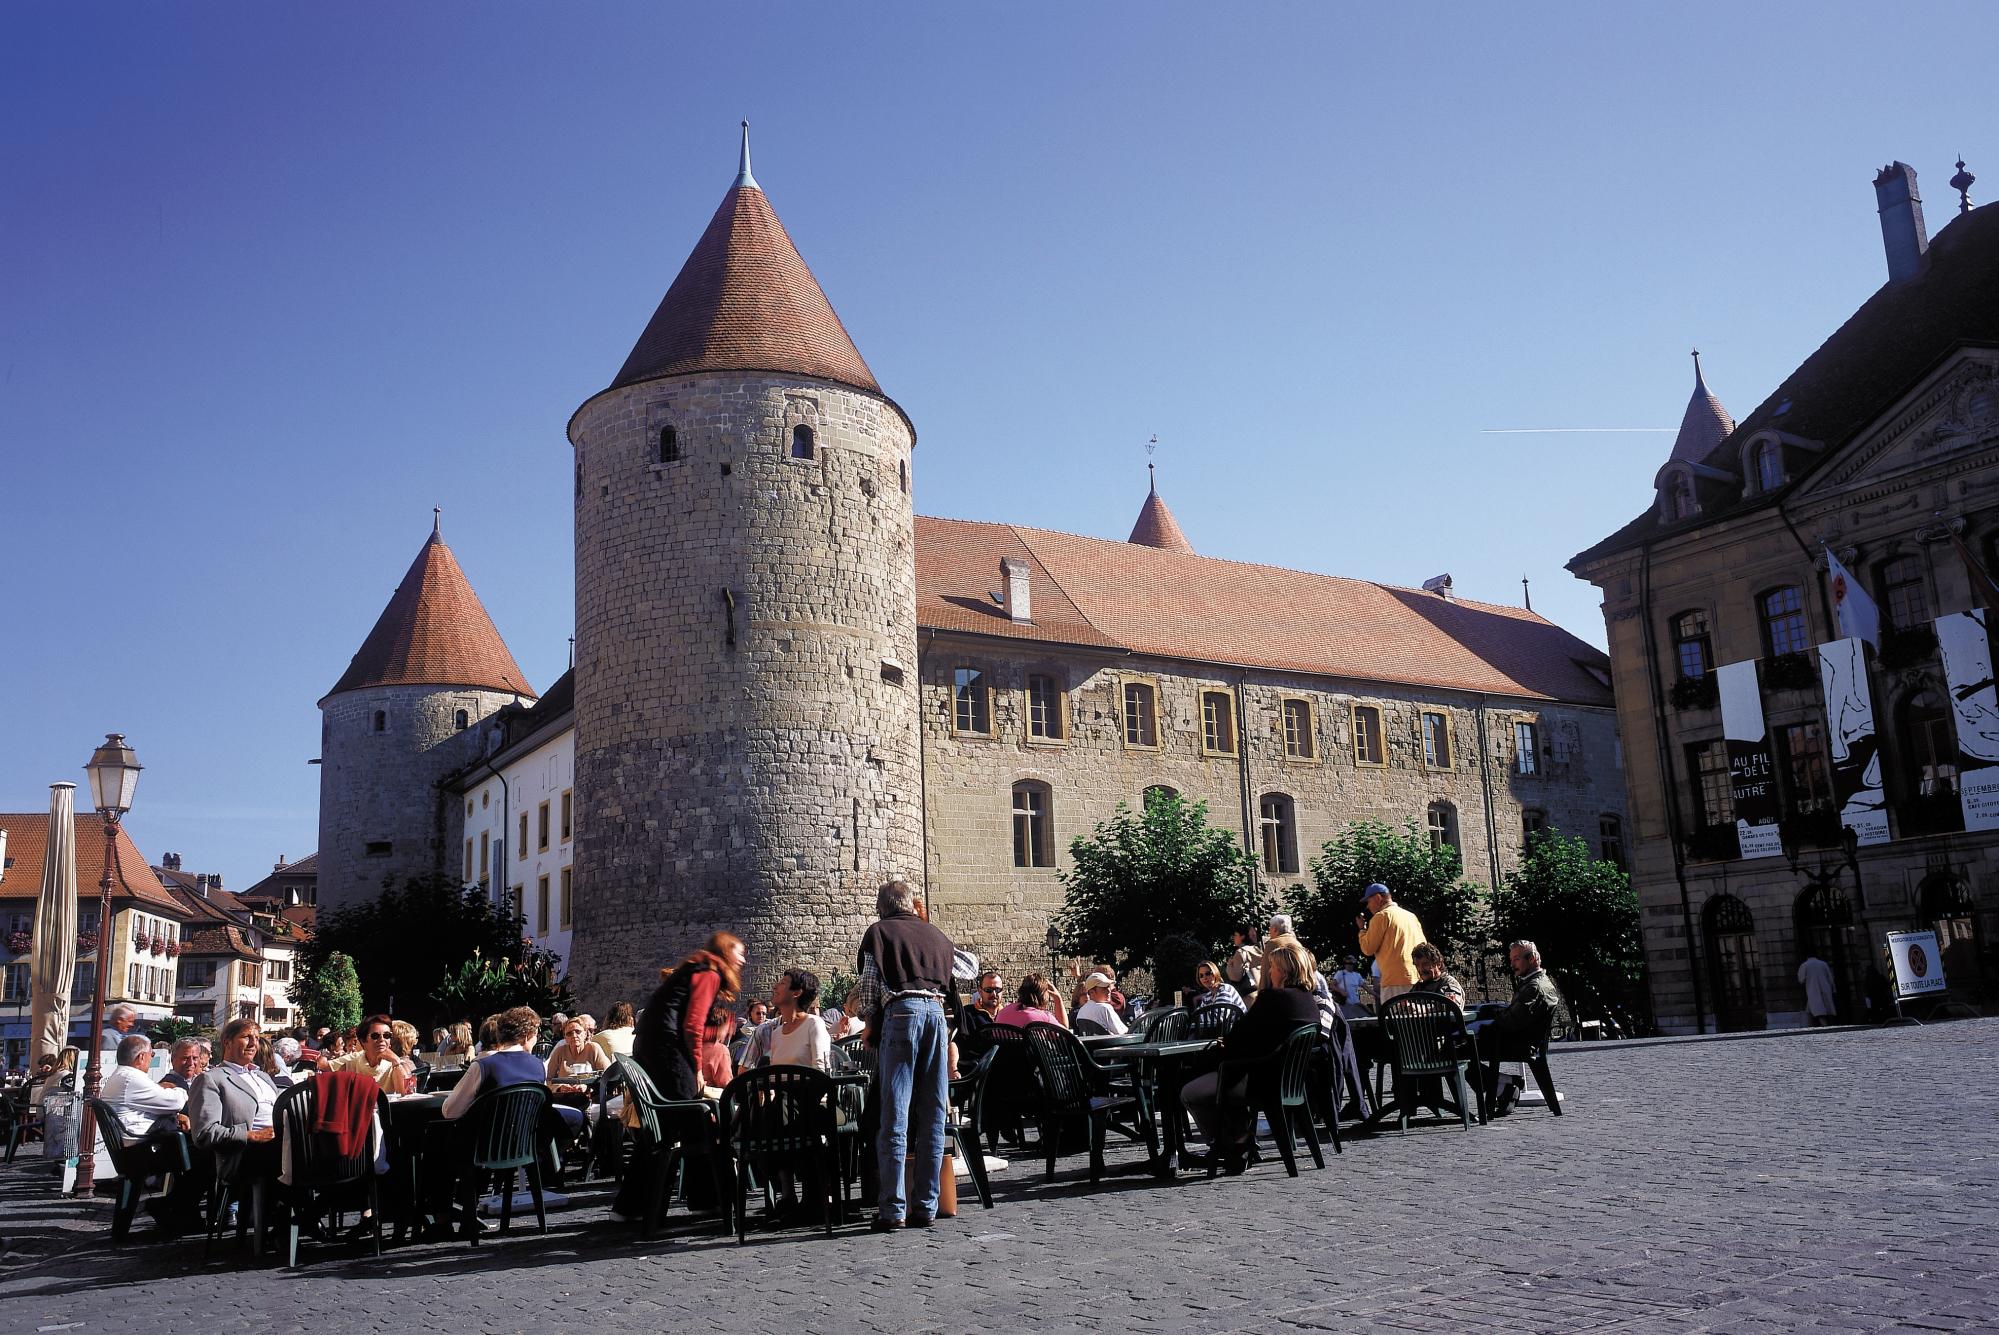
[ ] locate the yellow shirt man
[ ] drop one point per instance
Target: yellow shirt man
(1390, 936)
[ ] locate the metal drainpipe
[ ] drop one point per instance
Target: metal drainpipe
(1491, 819)
(1242, 774)
(1695, 960)
(923, 771)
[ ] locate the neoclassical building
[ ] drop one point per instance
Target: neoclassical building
(1796, 787)
(788, 687)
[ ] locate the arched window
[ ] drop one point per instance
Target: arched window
(381, 720)
(1769, 466)
(1783, 615)
(1277, 821)
(1904, 597)
(1443, 822)
(1160, 792)
(1680, 497)
(1692, 648)
(669, 445)
(1033, 825)
(462, 720)
(1732, 964)
(1823, 917)
(801, 442)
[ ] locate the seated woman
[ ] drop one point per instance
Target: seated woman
(796, 1036)
(1033, 1003)
(1284, 1004)
(618, 1032)
(1430, 975)
(509, 1061)
(573, 1064)
(1212, 990)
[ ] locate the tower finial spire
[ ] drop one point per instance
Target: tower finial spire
(1151, 477)
(743, 177)
(437, 521)
(1697, 367)
(1962, 183)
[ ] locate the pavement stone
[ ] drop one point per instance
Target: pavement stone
(1829, 1181)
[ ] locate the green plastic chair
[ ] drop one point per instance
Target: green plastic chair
(1075, 1088)
(1277, 1087)
(504, 1127)
(784, 1113)
(661, 1135)
(1427, 1038)
(318, 1170)
(131, 1181)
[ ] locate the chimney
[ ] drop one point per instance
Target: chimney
(1441, 586)
(201, 884)
(1902, 232)
(281, 863)
(1013, 574)
(170, 861)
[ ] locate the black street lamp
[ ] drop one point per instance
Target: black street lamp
(114, 774)
(1054, 944)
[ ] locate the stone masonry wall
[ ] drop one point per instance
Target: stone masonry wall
(746, 738)
(1002, 911)
(381, 787)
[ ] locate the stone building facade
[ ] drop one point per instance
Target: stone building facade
(1881, 449)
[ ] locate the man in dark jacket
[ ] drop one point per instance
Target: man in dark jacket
(1522, 1029)
(905, 985)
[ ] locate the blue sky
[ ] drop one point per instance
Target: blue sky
(278, 279)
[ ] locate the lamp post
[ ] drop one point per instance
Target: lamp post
(114, 773)
(1054, 944)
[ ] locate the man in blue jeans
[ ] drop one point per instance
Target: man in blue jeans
(905, 987)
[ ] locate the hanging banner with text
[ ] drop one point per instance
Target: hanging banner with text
(1918, 963)
(1974, 703)
(1856, 751)
(1750, 780)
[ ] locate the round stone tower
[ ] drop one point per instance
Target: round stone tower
(400, 719)
(746, 695)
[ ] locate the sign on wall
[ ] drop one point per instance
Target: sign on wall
(1750, 778)
(1856, 750)
(1967, 669)
(1918, 963)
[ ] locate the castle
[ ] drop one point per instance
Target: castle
(788, 688)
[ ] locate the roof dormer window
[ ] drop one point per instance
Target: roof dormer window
(1767, 466)
(1680, 503)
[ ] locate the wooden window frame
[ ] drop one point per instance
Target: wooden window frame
(1040, 824)
(1380, 736)
(1423, 717)
(1124, 713)
(568, 814)
(1527, 763)
(1766, 631)
(541, 905)
(1452, 831)
(1277, 836)
(1032, 738)
(522, 856)
(1227, 695)
(1310, 733)
(567, 887)
(985, 690)
(541, 827)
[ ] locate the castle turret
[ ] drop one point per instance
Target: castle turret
(746, 692)
(398, 720)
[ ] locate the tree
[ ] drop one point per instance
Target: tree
(481, 986)
(329, 993)
(1140, 877)
(1425, 879)
(406, 941)
(1581, 911)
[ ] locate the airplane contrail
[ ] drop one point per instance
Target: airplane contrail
(1555, 430)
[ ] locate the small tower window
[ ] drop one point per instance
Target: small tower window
(461, 720)
(902, 472)
(669, 445)
(801, 442)
(381, 720)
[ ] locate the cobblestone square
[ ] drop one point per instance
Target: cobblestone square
(1842, 1180)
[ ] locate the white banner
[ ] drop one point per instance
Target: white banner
(1918, 963)
(1751, 781)
(1856, 750)
(1967, 670)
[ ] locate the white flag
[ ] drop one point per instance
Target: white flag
(1856, 613)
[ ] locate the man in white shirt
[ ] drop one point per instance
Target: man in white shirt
(143, 1104)
(1098, 1008)
(1347, 984)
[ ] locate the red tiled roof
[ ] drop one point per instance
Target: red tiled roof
(186, 883)
(745, 301)
(1156, 527)
(27, 845)
(434, 632)
(1168, 604)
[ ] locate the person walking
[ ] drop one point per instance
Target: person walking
(905, 987)
(1821, 991)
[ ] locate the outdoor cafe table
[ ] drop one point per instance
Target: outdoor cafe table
(1166, 1063)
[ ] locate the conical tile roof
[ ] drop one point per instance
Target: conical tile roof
(434, 632)
(1156, 526)
(1704, 425)
(745, 301)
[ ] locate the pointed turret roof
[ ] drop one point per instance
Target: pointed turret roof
(1704, 425)
(434, 632)
(745, 301)
(1156, 526)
